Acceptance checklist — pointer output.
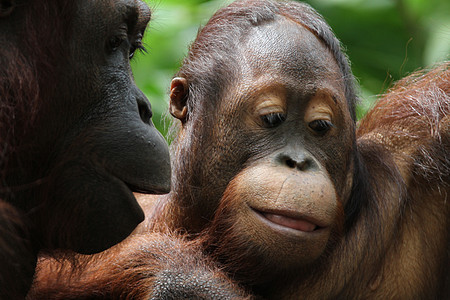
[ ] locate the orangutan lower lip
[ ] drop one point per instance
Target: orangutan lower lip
(290, 219)
(294, 223)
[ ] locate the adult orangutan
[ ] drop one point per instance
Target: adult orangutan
(76, 136)
(272, 179)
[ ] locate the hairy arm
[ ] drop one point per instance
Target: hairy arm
(145, 266)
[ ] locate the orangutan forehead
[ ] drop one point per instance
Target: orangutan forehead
(288, 49)
(133, 13)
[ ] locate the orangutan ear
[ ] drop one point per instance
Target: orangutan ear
(178, 96)
(7, 7)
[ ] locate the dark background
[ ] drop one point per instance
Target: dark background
(385, 40)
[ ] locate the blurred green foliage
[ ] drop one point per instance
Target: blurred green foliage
(385, 40)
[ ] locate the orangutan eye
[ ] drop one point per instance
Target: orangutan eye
(273, 119)
(320, 126)
(137, 45)
(115, 42)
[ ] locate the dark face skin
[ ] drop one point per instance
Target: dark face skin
(95, 143)
(288, 119)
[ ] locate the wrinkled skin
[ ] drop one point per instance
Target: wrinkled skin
(95, 142)
(287, 195)
(110, 145)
